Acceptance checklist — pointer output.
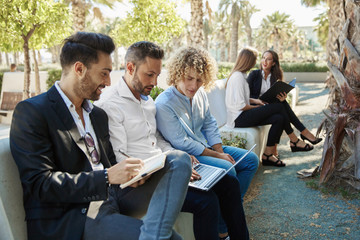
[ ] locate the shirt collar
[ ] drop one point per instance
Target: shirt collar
(263, 75)
(179, 94)
(125, 91)
(86, 105)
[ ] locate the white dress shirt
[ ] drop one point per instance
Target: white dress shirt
(87, 106)
(237, 97)
(265, 85)
(132, 123)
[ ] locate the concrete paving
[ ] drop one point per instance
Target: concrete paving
(281, 206)
(4, 130)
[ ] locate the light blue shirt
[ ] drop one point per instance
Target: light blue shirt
(187, 127)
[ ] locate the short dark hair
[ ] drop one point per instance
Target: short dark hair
(84, 47)
(138, 51)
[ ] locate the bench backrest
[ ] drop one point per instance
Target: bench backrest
(217, 104)
(13, 85)
(10, 99)
(12, 214)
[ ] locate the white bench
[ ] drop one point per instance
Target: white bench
(12, 214)
(252, 135)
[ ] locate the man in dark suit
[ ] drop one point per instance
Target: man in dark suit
(60, 143)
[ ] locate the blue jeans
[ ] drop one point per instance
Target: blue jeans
(206, 206)
(160, 198)
(244, 171)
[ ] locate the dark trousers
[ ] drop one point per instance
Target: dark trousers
(274, 114)
(292, 117)
(224, 197)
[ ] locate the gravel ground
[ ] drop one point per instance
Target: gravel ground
(280, 205)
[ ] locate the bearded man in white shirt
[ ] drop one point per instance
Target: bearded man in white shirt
(132, 127)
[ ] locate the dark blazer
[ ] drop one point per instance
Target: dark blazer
(56, 176)
(255, 81)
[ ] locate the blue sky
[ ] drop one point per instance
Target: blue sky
(302, 15)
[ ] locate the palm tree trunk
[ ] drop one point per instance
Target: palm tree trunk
(222, 45)
(294, 49)
(116, 58)
(79, 13)
(55, 53)
(7, 59)
(234, 38)
(196, 35)
(37, 75)
(15, 58)
(344, 63)
(206, 41)
(248, 31)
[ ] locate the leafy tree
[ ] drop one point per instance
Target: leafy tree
(31, 24)
(81, 7)
(151, 20)
(322, 29)
(275, 29)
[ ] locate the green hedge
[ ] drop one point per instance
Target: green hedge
(225, 68)
(304, 67)
(53, 76)
(155, 92)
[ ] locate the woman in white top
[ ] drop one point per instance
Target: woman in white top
(243, 111)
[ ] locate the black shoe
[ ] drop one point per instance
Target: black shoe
(267, 162)
(300, 149)
(316, 141)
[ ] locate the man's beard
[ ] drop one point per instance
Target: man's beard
(138, 86)
(87, 88)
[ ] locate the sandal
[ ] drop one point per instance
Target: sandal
(267, 162)
(300, 149)
(316, 141)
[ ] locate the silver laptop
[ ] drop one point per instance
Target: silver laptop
(210, 175)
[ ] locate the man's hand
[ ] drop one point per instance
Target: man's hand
(194, 175)
(140, 182)
(125, 170)
(226, 157)
(220, 153)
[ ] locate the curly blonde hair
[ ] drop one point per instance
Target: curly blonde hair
(192, 58)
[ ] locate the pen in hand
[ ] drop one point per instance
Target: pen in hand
(123, 153)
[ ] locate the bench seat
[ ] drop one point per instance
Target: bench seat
(12, 213)
(252, 135)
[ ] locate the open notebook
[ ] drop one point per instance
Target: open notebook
(151, 164)
(210, 175)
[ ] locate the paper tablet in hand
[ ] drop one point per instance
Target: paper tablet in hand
(278, 87)
(151, 165)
